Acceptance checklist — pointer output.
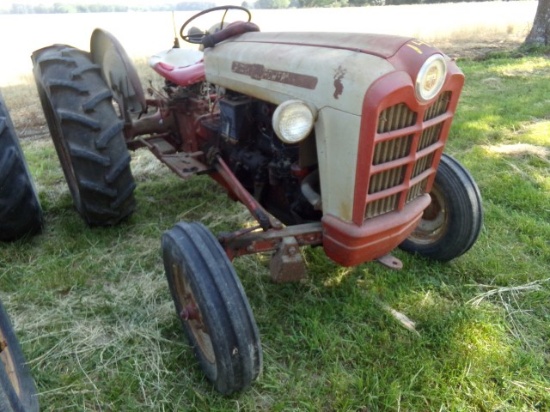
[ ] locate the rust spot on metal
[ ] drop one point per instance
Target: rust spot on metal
(260, 72)
(190, 312)
(338, 86)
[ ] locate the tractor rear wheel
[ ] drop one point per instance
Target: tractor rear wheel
(452, 222)
(87, 133)
(212, 306)
(20, 212)
(17, 389)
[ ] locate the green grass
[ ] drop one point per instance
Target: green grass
(96, 322)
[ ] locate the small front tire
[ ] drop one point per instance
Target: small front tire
(212, 306)
(452, 222)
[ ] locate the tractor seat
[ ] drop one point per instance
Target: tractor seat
(181, 66)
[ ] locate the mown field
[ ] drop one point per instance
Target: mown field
(96, 322)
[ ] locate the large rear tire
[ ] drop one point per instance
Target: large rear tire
(212, 306)
(20, 212)
(87, 133)
(17, 389)
(452, 222)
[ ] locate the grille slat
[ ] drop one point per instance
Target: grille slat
(395, 118)
(417, 190)
(438, 107)
(429, 136)
(422, 165)
(392, 149)
(387, 179)
(381, 206)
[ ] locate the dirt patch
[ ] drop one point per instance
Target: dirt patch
(476, 49)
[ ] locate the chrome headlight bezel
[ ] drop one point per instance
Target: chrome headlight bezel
(431, 77)
(293, 121)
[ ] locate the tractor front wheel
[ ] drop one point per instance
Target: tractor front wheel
(87, 133)
(212, 306)
(452, 222)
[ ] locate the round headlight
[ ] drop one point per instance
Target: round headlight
(431, 77)
(293, 121)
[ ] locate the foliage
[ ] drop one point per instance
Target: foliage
(102, 7)
(320, 3)
(194, 5)
(272, 4)
(24, 8)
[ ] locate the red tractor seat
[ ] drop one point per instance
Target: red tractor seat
(181, 66)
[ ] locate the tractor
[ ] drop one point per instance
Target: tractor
(332, 140)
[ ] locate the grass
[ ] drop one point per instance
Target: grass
(93, 313)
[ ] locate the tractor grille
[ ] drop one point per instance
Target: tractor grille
(404, 149)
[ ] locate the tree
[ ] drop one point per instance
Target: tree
(540, 33)
(272, 4)
(18, 8)
(322, 3)
(62, 8)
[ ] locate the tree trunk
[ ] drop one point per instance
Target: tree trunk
(540, 33)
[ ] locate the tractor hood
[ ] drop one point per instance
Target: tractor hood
(383, 46)
(324, 69)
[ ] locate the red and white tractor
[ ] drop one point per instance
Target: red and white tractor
(333, 140)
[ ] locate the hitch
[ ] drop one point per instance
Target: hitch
(287, 263)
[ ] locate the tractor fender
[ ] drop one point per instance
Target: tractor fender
(118, 71)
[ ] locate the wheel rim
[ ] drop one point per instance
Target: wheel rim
(9, 364)
(434, 221)
(191, 314)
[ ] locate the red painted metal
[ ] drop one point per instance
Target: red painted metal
(265, 220)
(247, 242)
(349, 244)
(182, 76)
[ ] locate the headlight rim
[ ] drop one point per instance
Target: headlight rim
(278, 115)
(420, 94)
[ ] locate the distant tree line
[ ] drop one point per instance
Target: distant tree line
(61, 8)
(23, 8)
(283, 4)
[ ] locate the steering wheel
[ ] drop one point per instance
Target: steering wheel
(195, 35)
